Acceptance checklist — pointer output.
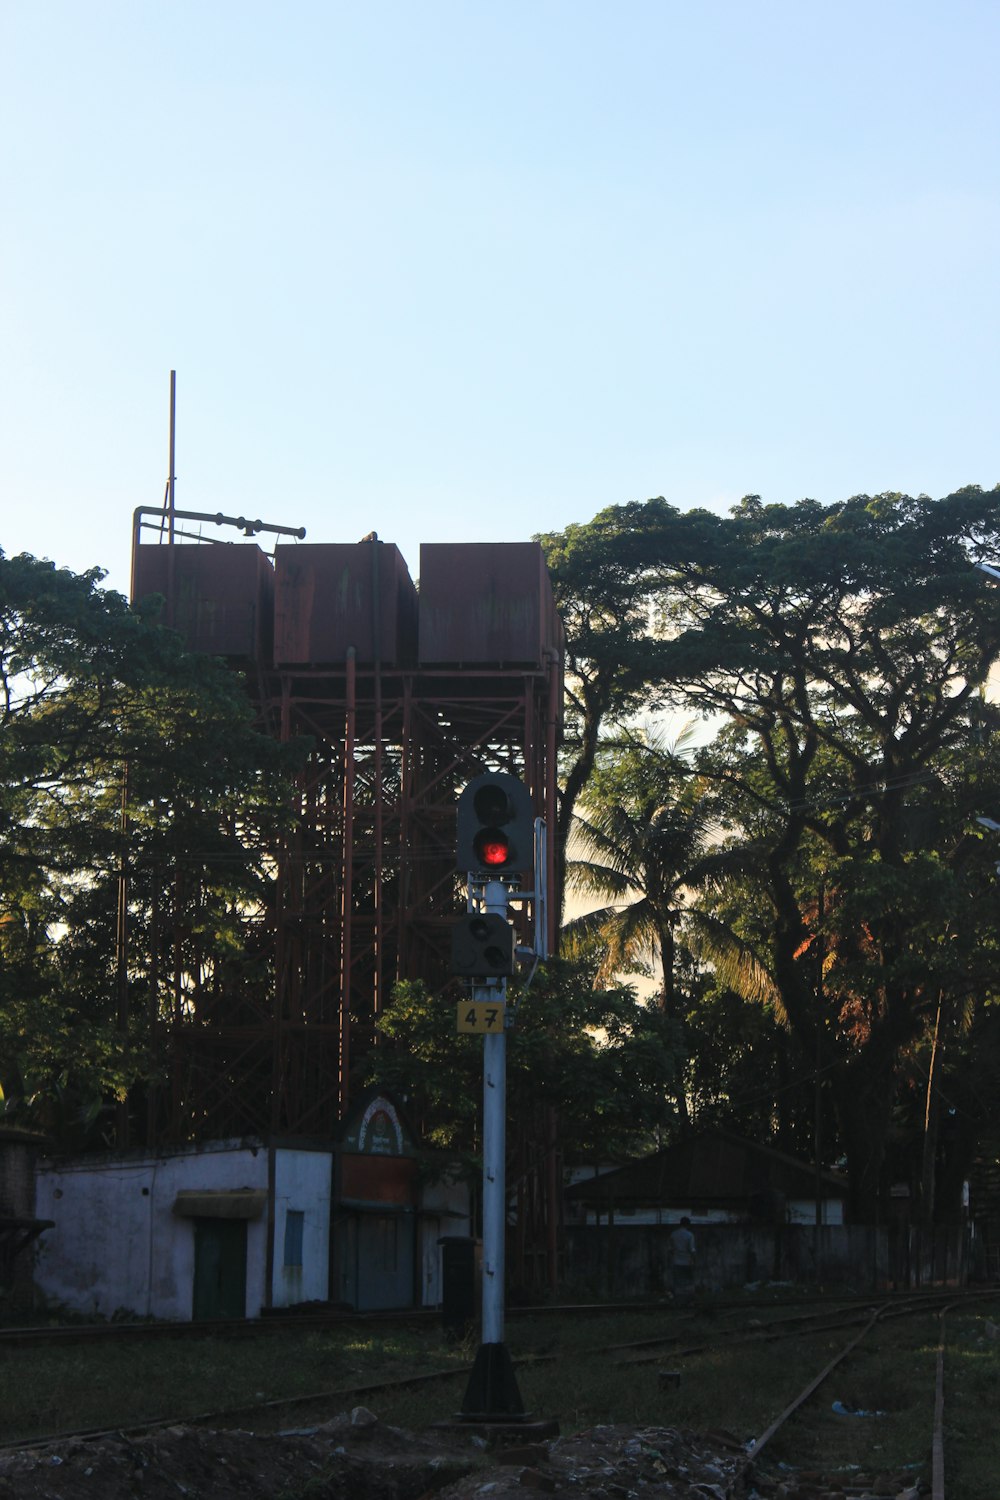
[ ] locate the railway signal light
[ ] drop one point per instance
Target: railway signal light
(482, 946)
(496, 825)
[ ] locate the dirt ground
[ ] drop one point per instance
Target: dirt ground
(356, 1457)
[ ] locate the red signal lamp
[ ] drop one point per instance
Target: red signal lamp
(495, 826)
(493, 848)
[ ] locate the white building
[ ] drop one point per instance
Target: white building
(229, 1228)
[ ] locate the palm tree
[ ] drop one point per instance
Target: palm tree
(650, 836)
(643, 832)
(650, 830)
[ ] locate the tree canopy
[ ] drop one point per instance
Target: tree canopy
(132, 783)
(595, 1053)
(841, 653)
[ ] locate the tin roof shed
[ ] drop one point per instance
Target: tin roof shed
(717, 1170)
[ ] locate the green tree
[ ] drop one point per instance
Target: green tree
(643, 829)
(939, 904)
(606, 592)
(848, 647)
(599, 1056)
(138, 806)
(647, 842)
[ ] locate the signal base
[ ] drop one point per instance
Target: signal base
(492, 1394)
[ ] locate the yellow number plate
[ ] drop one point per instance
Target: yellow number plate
(481, 1015)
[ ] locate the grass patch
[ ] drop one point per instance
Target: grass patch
(568, 1374)
(972, 1397)
(563, 1371)
(891, 1374)
(55, 1389)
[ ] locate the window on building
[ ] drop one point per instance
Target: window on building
(294, 1218)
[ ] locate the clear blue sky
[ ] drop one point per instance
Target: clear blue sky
(467, 271)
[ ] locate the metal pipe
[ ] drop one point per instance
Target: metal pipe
(272, 1178)
(376, 605)
(554, 1199)
(553, 914)
(170, 613)
(287, 976)
(170, 459)
(406, 778)
(494, 1152)
(347, 880)
(217, 519)
(121, 952)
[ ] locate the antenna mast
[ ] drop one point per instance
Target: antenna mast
(170, 461)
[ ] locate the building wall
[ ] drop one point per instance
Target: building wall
(303, 1184)
(634, 1260)
(797, 1211)
(119, 1247)
(803, 1211)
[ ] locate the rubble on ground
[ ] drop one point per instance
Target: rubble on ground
(356, 1457)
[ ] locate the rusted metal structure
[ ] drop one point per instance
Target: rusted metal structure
(403, 698)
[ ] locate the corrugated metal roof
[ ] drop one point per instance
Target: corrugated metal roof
(717, 1169)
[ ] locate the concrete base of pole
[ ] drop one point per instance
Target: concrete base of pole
(492, 1393)
(525, 1437)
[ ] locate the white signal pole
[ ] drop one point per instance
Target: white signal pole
(492, 1394)
(494, 1152)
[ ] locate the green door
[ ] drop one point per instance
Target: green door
(220, 1268)
(385, 1261)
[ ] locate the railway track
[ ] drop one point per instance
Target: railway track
(339, 1395)
(228, 1328)
(804, 1406)
(859, 1317)
(226, 1415)
(123, 1332)
(38, 1335)
(793, 1325)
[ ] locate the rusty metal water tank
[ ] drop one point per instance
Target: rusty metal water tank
(332, 596)
(219, 596)
(486, 602)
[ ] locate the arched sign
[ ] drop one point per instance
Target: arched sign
(380, 1132)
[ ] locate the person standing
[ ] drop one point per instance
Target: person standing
(682, 1256)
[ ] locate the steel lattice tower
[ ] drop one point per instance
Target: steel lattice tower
(402, 699)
